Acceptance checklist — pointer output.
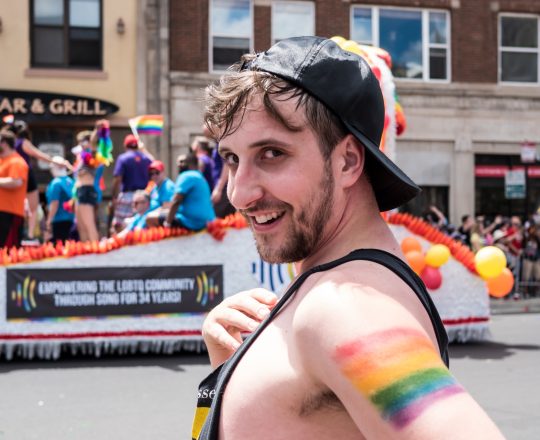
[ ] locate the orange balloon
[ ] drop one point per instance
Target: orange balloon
(409, 244)
(501, 285)
(416, 260)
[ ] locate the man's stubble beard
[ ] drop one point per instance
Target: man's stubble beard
(306, 227)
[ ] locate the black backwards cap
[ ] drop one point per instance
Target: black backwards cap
(345, 84)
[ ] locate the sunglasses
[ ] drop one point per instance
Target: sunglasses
(154, 173)
(137, 202)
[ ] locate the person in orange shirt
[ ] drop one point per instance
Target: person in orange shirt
(13, 177)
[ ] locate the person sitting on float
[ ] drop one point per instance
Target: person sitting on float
(161, 190)
(141, 207)
(191, 206)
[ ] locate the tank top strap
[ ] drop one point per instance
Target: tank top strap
(210, 429)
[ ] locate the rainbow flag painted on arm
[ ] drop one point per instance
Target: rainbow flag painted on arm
(147, 124)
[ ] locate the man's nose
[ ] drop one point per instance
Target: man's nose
(244, 187)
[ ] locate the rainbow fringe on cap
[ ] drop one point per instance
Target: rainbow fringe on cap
(147, 124)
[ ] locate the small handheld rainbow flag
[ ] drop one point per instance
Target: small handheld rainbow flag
(8, 119)
(147, 124)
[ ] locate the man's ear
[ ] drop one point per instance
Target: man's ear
(351, 159)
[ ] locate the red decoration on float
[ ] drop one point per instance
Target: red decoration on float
(70, 248)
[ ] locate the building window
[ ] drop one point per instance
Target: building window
(292, 19)
(231, 24)
(518, 49)
(66, 33)
(418, 40)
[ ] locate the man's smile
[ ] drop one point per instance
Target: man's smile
(267, 218)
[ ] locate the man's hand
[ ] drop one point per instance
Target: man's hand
(243, 312)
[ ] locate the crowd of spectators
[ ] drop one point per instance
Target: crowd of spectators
(142, 194)
(520, 242)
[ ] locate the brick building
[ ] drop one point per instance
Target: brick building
(466, 73)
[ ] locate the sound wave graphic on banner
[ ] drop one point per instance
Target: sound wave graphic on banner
(23, 296)
(274, 277)
(207, 289)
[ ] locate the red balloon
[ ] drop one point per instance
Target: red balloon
(432, 277)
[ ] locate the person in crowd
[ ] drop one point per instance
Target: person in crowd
(59, 191)
(355, 348)
(490, 228)
(467, 222)
(220, 175)
(530, 274)
(86, 195)
(141, 208)
(202, 148)
(161, 190)
(13, 181)
(477, 237)
(130, 174)
(191, 206)
(27, 150)
(514, 235)
(436, 218)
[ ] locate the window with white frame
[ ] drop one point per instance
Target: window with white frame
(231, 24)
(418, 40)
(292, 19)
(518, 49)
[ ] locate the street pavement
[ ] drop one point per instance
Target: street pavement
(152, 397)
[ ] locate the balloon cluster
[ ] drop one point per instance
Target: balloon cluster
(459, 251)
(490, 263)
(426, 264)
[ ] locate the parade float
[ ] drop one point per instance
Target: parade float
(149, 291)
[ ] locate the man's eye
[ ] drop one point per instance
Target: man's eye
(270, 153)
(230, 159)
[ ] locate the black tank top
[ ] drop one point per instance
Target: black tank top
(212, 388)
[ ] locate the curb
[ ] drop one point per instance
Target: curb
(511, 306)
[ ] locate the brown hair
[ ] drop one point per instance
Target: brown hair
(8, 137)
(226, 104)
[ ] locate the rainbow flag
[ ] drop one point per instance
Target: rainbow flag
(8, 119)
(147, 124)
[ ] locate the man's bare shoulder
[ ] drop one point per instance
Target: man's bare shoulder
(360, 293)
(361, 333)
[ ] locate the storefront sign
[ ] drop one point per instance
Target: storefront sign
(514, 184)
(499, 171)
(40, 106)
(102, 292)
(528, 152)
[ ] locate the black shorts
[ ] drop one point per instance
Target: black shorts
(87, 195)
(31, 183)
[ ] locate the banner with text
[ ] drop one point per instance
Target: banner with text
(112, 291)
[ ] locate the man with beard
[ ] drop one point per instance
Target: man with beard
(191, 206)
(355, 348)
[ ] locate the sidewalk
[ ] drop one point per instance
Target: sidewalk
(507, 306)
